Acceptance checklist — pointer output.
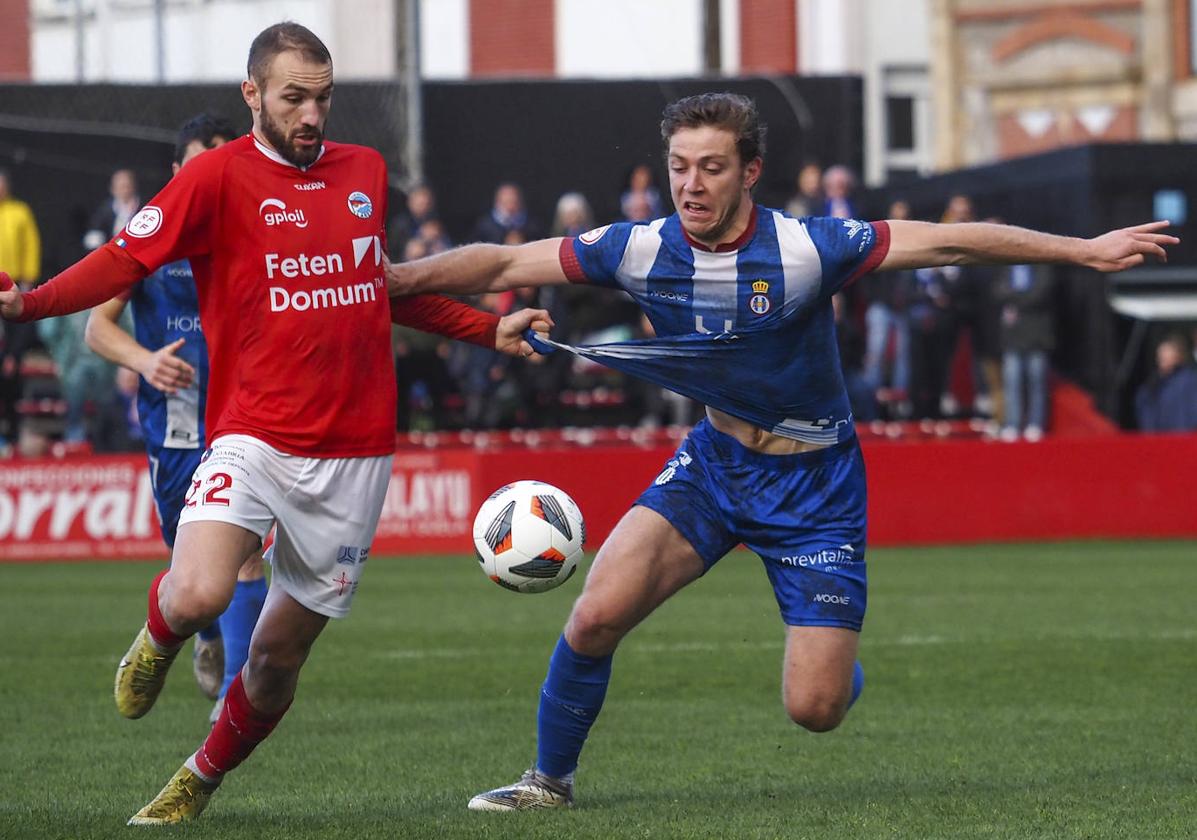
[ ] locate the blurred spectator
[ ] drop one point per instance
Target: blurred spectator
(573, 216)
(507, 214)
(86, 380)
(808, 201)
(114, 212)
(640, 199)
(432, 233)
(838, 186)
(638, 208)
(20, 258)
(491, 396)
(1025, 294)
(887, 324)
(420, 208)
(933, 337)
(1167, 402)
(861, 395)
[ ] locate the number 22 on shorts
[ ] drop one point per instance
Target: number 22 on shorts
(216, 484)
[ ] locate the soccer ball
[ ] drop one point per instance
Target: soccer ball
(529, 536)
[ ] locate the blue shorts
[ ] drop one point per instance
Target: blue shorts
(803, 515)
(170, 475)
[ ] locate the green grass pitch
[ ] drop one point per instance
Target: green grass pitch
(1030, 691)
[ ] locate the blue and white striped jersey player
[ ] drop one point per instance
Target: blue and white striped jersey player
(170, 409)
(740, 297)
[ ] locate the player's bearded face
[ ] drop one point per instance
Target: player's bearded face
(709, 183)
(295, 106)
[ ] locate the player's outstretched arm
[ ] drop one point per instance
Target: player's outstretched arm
(161, 368)
(101, 275)
(924, 244)
(474, 269)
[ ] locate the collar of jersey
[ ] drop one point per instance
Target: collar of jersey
(277, 158)
(735, 245)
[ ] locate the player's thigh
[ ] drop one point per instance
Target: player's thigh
(253, 568)
(203, 569)
(817, 673)
(281, 642)
(643, 562)
(225, 516)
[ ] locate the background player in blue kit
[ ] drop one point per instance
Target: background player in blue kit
(740, 298)
(170, 408)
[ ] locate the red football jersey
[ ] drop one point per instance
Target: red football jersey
(288, 266)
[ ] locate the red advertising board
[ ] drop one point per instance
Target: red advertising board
(1125, 486)
(78, 509)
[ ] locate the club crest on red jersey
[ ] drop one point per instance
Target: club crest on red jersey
(360, 205)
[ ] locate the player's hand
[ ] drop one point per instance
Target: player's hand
(1128, 247)
(509, 337)
(166, 371)
(11, 305)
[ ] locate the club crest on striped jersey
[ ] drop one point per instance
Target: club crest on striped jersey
(592, 236)
(759, 302)
(360, 205)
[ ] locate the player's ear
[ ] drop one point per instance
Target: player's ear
(252, 95)
(752, 172)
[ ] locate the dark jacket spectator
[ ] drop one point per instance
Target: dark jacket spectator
(1168, 401)
(507, 215)
(1026, 295)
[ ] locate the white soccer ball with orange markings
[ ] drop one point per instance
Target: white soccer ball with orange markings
(529, 536)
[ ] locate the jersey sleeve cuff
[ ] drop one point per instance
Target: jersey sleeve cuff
(570, 264)
(876, 255)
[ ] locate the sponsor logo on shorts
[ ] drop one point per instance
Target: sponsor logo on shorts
(827, 598)
(146, 223)
(352, 555)
(840, 556)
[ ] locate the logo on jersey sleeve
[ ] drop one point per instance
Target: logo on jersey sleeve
(146, 223)
(854, 227)
(759, 302)
(360, 205)
(592, 236)
(275, 212)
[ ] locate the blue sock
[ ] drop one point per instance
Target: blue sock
(210, 633)
(857, 682)
(570, 700)
(237, 626)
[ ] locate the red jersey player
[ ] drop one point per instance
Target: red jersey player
(284, 232)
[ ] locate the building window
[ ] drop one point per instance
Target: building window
(899, 123)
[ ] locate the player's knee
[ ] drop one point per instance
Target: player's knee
(192, 602)
(594, 628)
(816, 713)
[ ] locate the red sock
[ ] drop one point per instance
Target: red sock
(160, 631)
(238, 730)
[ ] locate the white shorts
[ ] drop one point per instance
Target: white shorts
(326, 510)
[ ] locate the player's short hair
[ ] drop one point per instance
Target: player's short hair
(204, 128)
(280, 38)
(729, 111)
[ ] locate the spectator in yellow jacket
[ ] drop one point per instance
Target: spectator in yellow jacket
(20, 256)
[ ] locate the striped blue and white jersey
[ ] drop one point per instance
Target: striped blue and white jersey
(166, 308)
(748, 328)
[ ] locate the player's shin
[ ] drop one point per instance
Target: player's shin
(237, 626)
(570, 700)
(161, 634)
(238, 730)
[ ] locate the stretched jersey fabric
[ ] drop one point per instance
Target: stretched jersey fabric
(289, 272)
(165, 309)
(747, 328)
